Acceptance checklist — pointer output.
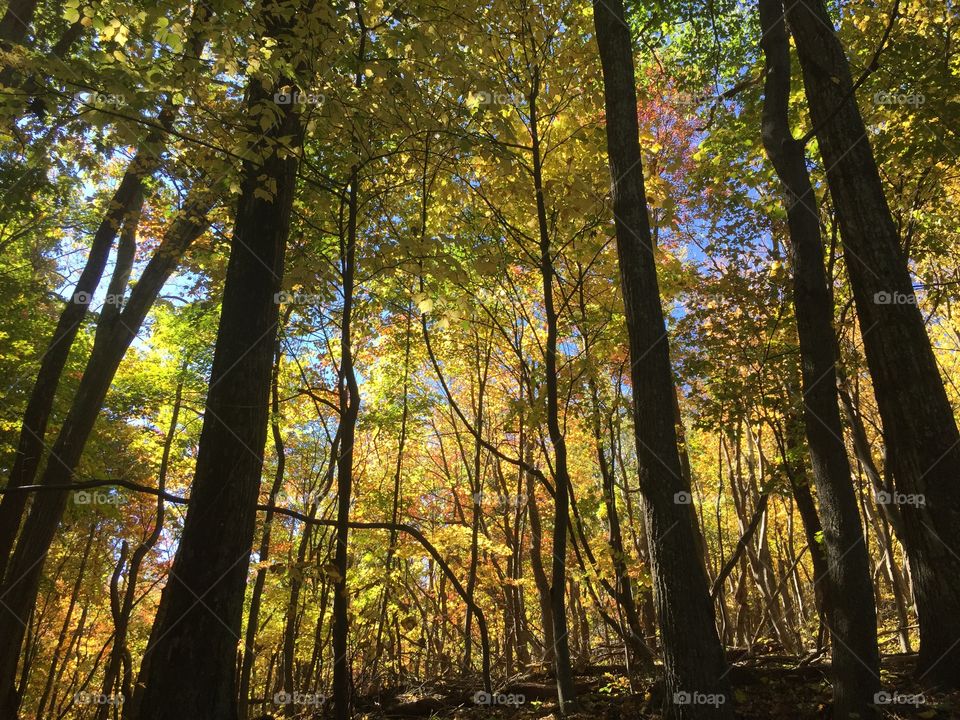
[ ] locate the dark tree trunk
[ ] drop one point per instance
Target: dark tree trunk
(126, 202)
(919, 426)
(558, 575)
(349, 409)
(190, 664)
(694, 666)
(851, 613)
(114, 335)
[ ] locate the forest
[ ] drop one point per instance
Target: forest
(479, 359)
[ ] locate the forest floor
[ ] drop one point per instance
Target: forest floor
(765, 687)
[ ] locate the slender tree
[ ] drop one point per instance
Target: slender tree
(694, 666)
(851, 612)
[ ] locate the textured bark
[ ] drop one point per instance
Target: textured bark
(851, 615)
(180, 676)
(190, 664)
(918, 422)
(692, 654)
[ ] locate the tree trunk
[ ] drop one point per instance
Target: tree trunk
(558, 575)
(190, 665)
(113, 337)
(349, 409)
(851, 612)
(694, 666)
(919, 426)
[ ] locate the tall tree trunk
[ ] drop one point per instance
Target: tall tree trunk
(476, 483)
(190, 665)
(349, 408)
(694, 666)
(919, 425)
(114, 335)
(126, 202)
(851, 612)
(558, 575)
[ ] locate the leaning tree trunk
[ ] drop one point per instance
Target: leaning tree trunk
(851, 612)
(126, 202)
(114, 335)
(694, 666)
(919, 426)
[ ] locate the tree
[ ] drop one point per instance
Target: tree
(919, 425)
(850, 608)
(693, 657)
(180, 676)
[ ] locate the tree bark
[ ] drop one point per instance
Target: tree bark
(694, 665)
(190, 664)
(851, 612)
(919, 426)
